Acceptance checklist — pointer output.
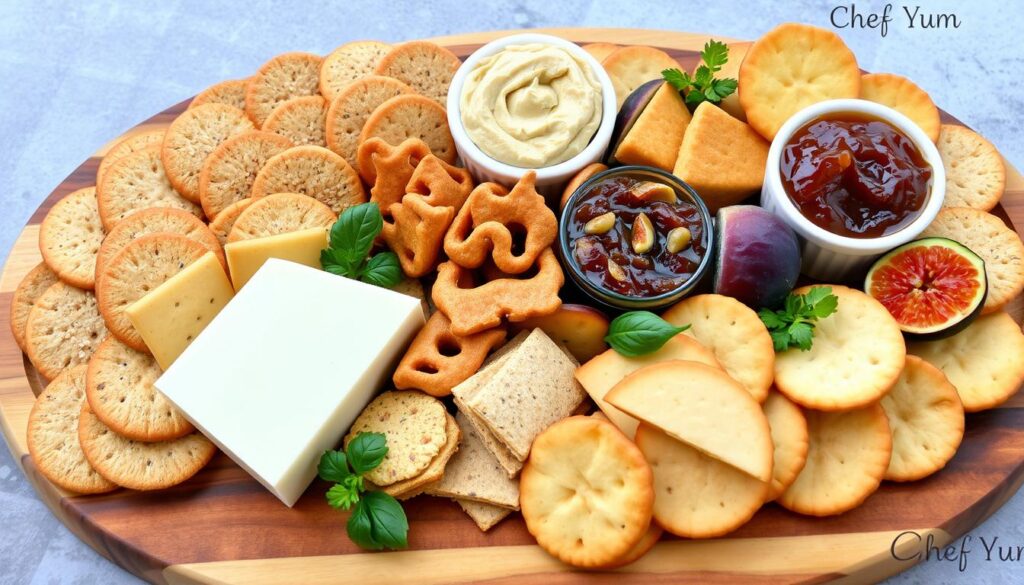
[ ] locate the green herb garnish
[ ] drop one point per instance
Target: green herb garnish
(352, 238)
(703, 86)
(640, 332)
(793, 325)
(377, 520)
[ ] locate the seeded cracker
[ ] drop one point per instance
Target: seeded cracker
(474, 474)
(486, 516)
(280, 213)
(313, 171)
(29, 289)
(64, 327)
(156, 220)
(230, 170)
(414, 486)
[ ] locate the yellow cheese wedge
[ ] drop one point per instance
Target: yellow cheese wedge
(655, 137)
(248, 256)
(174, 313)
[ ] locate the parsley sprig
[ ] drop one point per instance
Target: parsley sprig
(793, 325)
(377, 520)
(702, 85)
(352, 238)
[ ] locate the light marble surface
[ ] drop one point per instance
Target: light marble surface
(73, 75)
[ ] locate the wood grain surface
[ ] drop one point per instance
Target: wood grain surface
(223, 527)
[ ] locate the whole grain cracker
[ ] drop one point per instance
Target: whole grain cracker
(426, 67)
(284, 77)
(975, 172)
(300, 120)
(70, 236)
(280, 213)
(31, 287)
(126, 146)
(230, 93)
(351, 107)
(411, 116)
(64, 327)
(348, 64)
(474, 474)
(156, 220)
(138, 181)
(313, 171)
(435, 471)
(222, 224)
(192, 137)
(231, 169)
(486, 516)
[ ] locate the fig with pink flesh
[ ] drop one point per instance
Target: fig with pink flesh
(757, 256)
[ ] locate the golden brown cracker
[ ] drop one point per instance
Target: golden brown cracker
(284, 77)
(313, 171)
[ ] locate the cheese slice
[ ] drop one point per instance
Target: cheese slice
(286, 367)
(247, 256)
(173, 314)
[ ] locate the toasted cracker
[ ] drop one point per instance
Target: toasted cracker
(975, 172)
(301, 120)
(486, 516)
(138, 181)
(437, 360)
(137, 465)
(348, 64)
(284, 77)
(600, 51)
(388, 169)
(791, 67)
(350, 109)
(586, 492)
(411, 116)
(473, 474)
(230, 93)
(414, 425)
(231, 169)
(192, 137)
(983, 361)
(426, 67)
(926, 419)
(313, 171)
(904, 96)
(126, 146)
(70, 237)
(533, 389)
(156, 220)
(734, 333)
(222, 224)
(697, 496)
(789, 435)
(121, 394)
(141, 266)
(64, 327)
(847, 458)
(53, 436)
(656, 135)
(721, 157)
(859, 350)
(31, 287)
(280, 213)
(641, 548)
(434, 472)
(998, 245)
(632, 66)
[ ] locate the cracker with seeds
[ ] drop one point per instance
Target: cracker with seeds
(221, 225)
(126, 146)
(230, 93)
(31, 287)
(301, 120)
(313, 171)
(350, 109)
(70, 236)
(426, 67)
(975, 172)
(156, 220)
(138, 181)
(192, 137)
(473, 474)
(280, 213)
(348, 64)
(284, 77)
(435, 471)
(231, 169)
(63, 329)
(411, 116)
(486, 516)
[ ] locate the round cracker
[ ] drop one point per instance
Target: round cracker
(53, 436)
(70, 237)
(848, 455)
(642, 547)
(697, 496)
(192, 137)
(632, 66)
(415, 426)
(586, 492)
(225, 220)
(156, 220)
(426, 67)
(230, 93)
(975, 172)
(31, 287)
(734, 333)
(600, 51)
(791, 67)
(63, 329)
(137, 465)
(301, 120)
(904, 96)
(350, 109)
(434, 472)
(987, 236)
(230, 170)
(789, 435)
(348, 63)
(282, 78)
(138, 181)
(926, 419)
(313, 171)
(120, 390)
(411, 116)
(984, 361)
(140, 267)
(126, 146)
(280, 213)
(857, 354)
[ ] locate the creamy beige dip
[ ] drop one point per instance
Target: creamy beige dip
(532, 105)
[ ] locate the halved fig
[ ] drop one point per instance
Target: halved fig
(629, 112)
(653, 191)
(933, 287)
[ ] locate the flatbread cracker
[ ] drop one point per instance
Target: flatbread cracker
(426, 67)
(904, 96)
(64, 327)
(349, 63)
(280, 213)
(31, 287)
(313, 171)
(975, 172)
(486, 516)
(789, 435)
(301, 120)
(138, 181)
(284, 77)
(70, 236)
(473, 474)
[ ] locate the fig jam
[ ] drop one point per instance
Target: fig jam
(855, 175)
(618, 255)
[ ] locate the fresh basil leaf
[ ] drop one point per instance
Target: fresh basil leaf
(333, 467)
(388, 524)
(366, 451)
(342, 496)
(353, 234)
(640, 332)
(383, 270)
(802, 335)
(360, 527)
(337, 262)
(678, 79)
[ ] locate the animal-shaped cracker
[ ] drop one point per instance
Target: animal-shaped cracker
(388, 168)
(415, 233)
(440, 184)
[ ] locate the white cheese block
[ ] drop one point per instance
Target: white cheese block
(283, 370)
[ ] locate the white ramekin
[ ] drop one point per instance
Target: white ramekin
(549, 179)
(827, 256)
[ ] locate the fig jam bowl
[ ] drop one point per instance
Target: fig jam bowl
(635, 237)
(512, 103)
(876, 185)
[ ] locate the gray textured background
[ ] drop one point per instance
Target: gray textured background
(74, 75)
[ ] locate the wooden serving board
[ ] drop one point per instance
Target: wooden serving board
(223, 527)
